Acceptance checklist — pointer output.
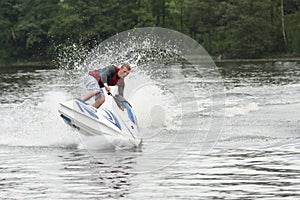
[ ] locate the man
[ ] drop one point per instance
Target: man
(99, 78)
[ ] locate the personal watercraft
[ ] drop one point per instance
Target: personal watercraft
(114, 118)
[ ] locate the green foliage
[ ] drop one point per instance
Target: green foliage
(250, 34)
(30, 29)
(26, 25)
(293, 30)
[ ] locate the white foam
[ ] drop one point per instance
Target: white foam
(37, 125)
(95, 142)
(104, 142)
(242, 109)
(155, 107)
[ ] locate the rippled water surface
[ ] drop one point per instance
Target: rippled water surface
(255, 156)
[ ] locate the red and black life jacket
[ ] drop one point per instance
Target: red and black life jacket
(112, 80)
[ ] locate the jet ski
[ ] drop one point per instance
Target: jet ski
(114, 118)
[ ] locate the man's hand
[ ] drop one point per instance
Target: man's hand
(107, 88)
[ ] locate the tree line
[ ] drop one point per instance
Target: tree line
(30, 29)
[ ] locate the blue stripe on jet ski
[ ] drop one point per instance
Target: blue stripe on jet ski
(82, 106)
(68, 121)
(112, 118)
(129, 112)
(82, 101)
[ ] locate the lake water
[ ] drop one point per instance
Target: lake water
(252, 142)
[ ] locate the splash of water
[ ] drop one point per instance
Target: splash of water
(29, 124)
(147, 54)
(159, 86)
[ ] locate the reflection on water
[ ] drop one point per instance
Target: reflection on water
(264, 73)
(63, 173)
(226, 172)
(19, 85)
(257, 155)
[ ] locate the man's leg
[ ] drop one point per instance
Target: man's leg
(94, 89)
(89, 95)
(99, 101)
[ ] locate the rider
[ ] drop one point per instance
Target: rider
(95, 80)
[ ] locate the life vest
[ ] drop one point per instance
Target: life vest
(112, 80)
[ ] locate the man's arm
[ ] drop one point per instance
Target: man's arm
(121, 87)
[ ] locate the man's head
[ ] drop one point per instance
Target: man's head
(124, 70)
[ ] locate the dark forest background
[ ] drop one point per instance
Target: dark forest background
(31, 29)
